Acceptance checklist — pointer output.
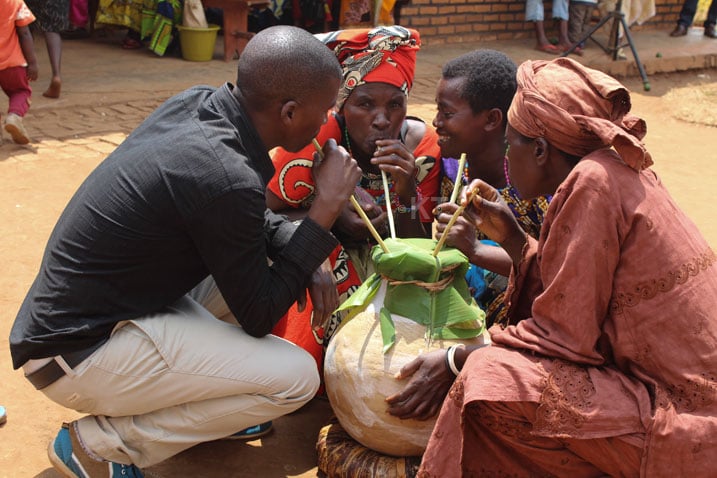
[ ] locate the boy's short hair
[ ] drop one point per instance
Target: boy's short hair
(490, 79)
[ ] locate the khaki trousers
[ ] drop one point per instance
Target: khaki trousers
(168, 381)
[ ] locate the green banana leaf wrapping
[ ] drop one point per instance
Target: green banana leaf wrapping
(431, 291)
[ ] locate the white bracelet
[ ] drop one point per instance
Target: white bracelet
(450, 358)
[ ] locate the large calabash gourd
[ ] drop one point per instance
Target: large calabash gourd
(368, 350)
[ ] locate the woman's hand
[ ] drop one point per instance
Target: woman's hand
(350, 227)
(428, 384)
(461, 235)
(488, 212)
(393, 157)
(494, 218)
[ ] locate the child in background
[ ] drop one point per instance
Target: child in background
(581, 12)
(18, 65)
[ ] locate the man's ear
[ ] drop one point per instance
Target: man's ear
(288, 111)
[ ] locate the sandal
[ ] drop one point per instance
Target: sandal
(549, 48)
(577, 51)
(131, 44)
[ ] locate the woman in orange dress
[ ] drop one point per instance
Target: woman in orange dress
(370, 122)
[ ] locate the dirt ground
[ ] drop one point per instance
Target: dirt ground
(108, 91)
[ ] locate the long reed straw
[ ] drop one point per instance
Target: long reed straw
(387, 195)
(452, 221)
(459, 174)
(357, 206)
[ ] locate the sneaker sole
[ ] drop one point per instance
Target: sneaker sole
(57, 461)
(16, 134)
(250, 436)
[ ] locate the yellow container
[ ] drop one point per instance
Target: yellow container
(197, 43)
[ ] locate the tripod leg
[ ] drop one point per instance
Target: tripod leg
(614, 38)
(640, 68)
(589, 34)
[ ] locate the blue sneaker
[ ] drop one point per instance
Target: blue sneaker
(67, 456)
(252, 432)
(3, 415)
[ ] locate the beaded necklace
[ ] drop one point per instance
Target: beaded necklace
(466, 176)
(505, 171)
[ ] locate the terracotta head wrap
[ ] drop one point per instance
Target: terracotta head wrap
(381, 54)
(578, 110)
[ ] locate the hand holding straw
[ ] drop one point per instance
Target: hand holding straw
(452, 221)
(387, 195)
(357, 206)
(365, 218)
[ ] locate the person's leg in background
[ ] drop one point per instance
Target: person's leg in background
(79, 21)
(54, 51)
(579, 23)
(79, 13)
(561, 13)
(15, 84)
(578, 20)
(687, 14)
(534, 12)
(184, 378)
(53, 17)
(711, 20)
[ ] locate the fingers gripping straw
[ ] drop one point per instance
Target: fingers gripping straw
(452, 221)
(357, 206)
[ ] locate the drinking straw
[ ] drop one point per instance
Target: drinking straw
(452, 221)
(357, 206)
(459, 173)
(391, 226)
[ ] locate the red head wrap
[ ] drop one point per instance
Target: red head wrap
(578, 110)
(381, 54)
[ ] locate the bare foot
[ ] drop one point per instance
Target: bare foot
(53, 91)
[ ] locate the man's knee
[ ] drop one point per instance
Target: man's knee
(301, 377)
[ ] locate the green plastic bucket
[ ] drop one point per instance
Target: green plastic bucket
(197, 43)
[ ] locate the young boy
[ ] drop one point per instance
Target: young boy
(581, 12)
(473, 97)
(18, 64)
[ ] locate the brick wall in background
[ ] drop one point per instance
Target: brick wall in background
(456, 21)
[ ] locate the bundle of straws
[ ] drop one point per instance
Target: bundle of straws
(392, 227)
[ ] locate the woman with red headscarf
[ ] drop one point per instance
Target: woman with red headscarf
(370, 122)
(609, 366)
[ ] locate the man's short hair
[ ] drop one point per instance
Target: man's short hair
(283, 63)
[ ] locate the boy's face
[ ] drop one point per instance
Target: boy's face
(458, 127)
